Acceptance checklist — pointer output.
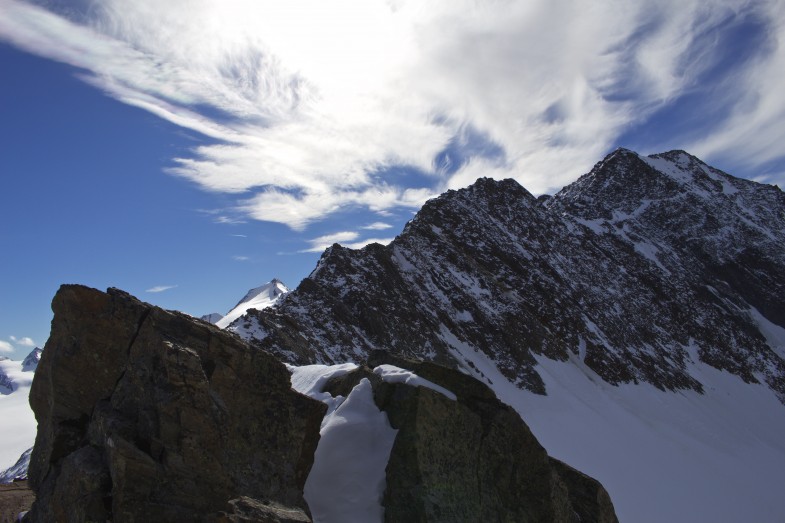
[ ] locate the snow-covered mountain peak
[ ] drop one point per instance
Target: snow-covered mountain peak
(30, 363)
(257, 298)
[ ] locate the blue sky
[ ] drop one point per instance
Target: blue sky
(186, 151)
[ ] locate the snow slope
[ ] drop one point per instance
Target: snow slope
(661, 455)
(17, 422)
(258, 298)
(18, 469)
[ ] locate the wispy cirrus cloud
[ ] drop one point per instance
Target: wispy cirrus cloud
(377, 226)
(160, 288)
(311, 104)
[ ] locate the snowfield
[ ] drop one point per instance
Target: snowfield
(17, 422)
(680, 457)
(663, 456)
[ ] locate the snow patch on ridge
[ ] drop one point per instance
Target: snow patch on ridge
(348, 477)
(393, 374)
(311, 379)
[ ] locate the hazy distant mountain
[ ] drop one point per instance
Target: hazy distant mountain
(635, 320)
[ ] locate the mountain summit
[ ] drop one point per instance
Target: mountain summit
(257, 298)
(639, 268)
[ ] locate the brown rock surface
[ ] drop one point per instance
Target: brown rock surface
(15, 497)
(151, 415)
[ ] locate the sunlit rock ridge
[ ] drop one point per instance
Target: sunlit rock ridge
(642, 268)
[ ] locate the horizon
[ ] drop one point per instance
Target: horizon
(186, 153)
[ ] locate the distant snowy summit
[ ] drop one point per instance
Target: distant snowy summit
(257, 298)
(15, 374)
(30, 363)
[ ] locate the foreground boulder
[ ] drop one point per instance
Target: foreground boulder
(469, 459)
(150, 415)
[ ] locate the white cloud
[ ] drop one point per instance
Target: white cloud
(754, 132)
(6, 347)
(363, 243)
(240, 258)
(229, 220)
(377, 226)
(315, 100)
(345, 239)
(322, 242)
(23, 341)
(160, 288)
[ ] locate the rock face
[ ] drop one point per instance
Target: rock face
(470, 459)
(150, 415)
(640, 268)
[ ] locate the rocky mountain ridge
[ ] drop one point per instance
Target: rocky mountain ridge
(183, 421)
(641, 268)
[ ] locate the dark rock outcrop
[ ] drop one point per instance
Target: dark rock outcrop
(473, 459)
(150, 415)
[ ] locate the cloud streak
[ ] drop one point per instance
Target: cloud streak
(344, 238)
(377, 226)
(313, 105)
(6, 347)
(160, 288)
